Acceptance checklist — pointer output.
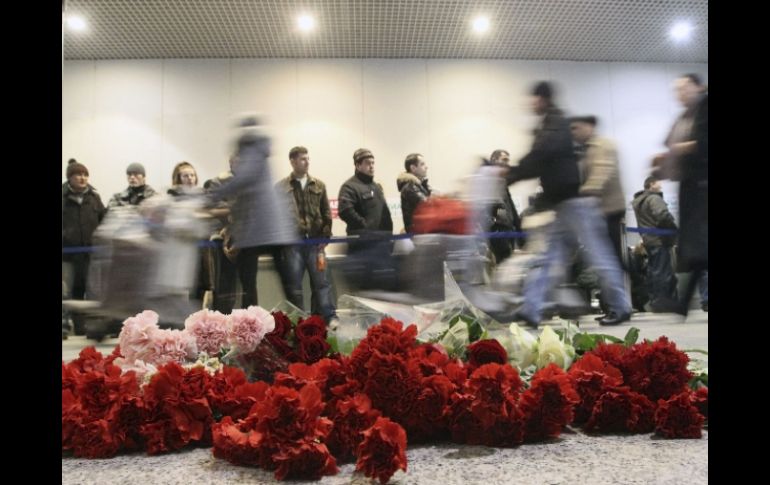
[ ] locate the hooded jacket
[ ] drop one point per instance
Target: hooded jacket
(413, 191)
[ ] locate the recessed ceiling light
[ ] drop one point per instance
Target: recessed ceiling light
(481, 24)
(305, 23)
(681, 31)
(76, 22)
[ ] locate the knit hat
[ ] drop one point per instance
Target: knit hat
(76, 168)
(135, 168)
(543, 89)
(360, 154)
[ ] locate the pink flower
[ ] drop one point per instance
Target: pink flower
(248, 327)
(136, 336)
(172, 346)
(209, 329)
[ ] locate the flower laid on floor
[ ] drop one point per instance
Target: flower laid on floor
(486, 352)
(383, 450)
(637, 388)
(303, 341)
(142, 340)
(316, 410)
(520, 345)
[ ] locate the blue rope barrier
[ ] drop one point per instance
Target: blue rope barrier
(394, 237)
(78, 249)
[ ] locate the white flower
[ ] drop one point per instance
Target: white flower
(520, 345)
(550, 349)
(209, 364)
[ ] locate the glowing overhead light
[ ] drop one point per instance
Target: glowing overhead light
(306, 23)
(76, 22)
(681, 31)
(481, 24)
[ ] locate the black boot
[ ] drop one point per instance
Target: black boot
(613, 318)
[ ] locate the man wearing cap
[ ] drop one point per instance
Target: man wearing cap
(578, 216)
(137, 190)
(82, 211)
(363, 207)
(600, 175)
(362, 202)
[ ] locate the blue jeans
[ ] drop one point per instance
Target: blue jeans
(577, 220)
(74, 269)
(298, 259)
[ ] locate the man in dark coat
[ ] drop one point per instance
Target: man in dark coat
(363, 207)
(136, 192)
(82, 211)
(652, 213)
(362, 203)
(687, 160)
(413, 187)
(578, 218)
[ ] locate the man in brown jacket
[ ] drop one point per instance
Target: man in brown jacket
(311, 211)
(600, 175)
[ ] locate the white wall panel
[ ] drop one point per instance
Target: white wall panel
(396, 120)
(453, 111)
(196, 87)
